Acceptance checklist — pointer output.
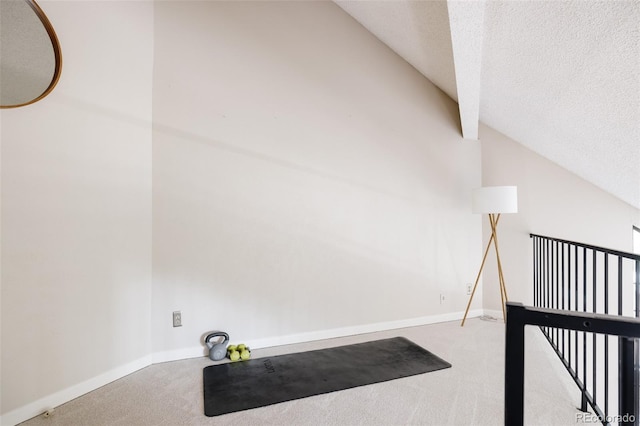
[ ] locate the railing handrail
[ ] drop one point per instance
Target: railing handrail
(613, 325)
(613, 252)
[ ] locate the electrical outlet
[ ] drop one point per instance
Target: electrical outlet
(469, 287)
(177, 319)
(441, 298)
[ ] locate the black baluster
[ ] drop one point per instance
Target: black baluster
(606, 337)
(593, 336)
(584, 334)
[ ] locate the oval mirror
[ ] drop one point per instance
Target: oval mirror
(30, 58)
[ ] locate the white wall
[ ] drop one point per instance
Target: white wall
(552, 202)
(307, 182)
(76, 213)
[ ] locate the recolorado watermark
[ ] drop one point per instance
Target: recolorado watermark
(594, 418)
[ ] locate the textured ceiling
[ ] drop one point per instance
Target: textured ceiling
(560, 77)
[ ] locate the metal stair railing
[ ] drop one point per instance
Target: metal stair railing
(626, 328)
(581, 277)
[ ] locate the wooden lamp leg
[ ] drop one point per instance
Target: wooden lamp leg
(503, 287)
(484, 258)
(475, 285)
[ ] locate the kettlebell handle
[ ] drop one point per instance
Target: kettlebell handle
(217, 334)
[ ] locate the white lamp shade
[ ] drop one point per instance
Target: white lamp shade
(495, 199)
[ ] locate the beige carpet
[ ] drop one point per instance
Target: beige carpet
(469, 393)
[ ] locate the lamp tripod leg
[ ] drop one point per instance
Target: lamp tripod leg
(503, 287)
(475, 285)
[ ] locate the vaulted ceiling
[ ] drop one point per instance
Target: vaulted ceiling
(560, 77)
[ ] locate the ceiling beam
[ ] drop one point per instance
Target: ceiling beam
(466, 23)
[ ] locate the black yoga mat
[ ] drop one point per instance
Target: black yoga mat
(255, 383)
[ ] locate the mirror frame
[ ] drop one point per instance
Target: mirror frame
(56, 51)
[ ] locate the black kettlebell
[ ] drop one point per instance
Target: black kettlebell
(217, 351)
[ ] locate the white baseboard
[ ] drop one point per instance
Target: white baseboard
(358, 329)
(198, 351)
(38, 407)
(178, 354)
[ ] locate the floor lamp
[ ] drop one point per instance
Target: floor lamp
(493, 200)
